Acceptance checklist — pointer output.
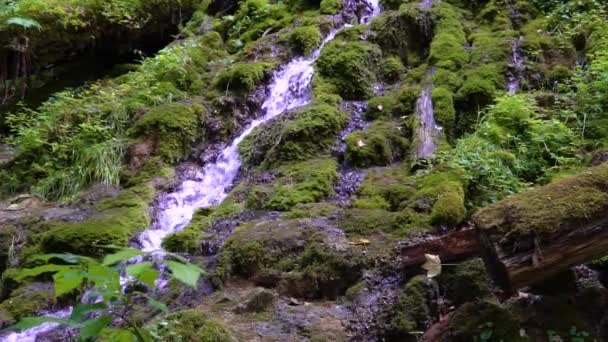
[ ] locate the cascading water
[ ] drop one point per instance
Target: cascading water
(517, 66)
(427, 131)
(289, 89)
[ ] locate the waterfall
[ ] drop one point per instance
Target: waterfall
(427, 130)
(517, 66)
(289, 89)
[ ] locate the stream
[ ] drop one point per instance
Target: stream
(289, 89)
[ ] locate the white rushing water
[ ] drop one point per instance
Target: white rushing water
(518, 66)
(290, 88)
(427, 131)
(30, 335)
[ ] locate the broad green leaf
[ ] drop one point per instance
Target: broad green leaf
(143, 335)
(67, 281)
(186, 273)
(81, 310)
(32, 272)
(144, 273)
(69, 258)
(104, 277)
(92, 327)
(122, 255)
(24, 22)
(31, 322)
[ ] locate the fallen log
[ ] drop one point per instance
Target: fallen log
(531, 236)
(536, 234)
(455, 246)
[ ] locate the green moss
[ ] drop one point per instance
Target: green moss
(383, 107)
(366, 221)
(120, 217)
(304, 40)
(153, 168)
(448, 46)
(408, 95)
(381, 144)
(412, 310)
(242, 77)
(174, 128)
(466, 282)
(443, 106)
(310, 210)
(393, 69)
(471, 320)
(446, 79)
(391, 184)
(373, 202)
(449, 208)
(352, 67)
(305, 133)
(405, 33)
(28, 301)
(305, 182)
(325, 92)
(191, 325)
(186, 241)
(291, 254)
(573, 200)
(330, 6)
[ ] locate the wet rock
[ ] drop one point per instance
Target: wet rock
(258, 300)
(599, 157)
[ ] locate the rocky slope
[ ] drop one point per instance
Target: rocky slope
(294, 148)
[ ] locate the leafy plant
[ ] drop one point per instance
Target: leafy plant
(109, 289)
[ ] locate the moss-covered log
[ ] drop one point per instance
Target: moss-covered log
(528, 237)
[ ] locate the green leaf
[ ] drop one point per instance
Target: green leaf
(69, 258)
(186, 273)
(144, 273)
(92, 327)
(31, 322)
(24, 22)
(119, 335)
(81, 310)
(67, 281)
(122, 255)
(32, 272)
(104, 277)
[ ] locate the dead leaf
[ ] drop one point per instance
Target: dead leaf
(432, 265)
(360, 143)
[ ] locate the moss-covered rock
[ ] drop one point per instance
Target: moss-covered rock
(484, 318)
(28, 300)
(413, 310)
(291, 254)
(191, 325)
(381, 144)
(574, 199)
(448, 45)
(173, 128)
(393, 69)
(406, 32)
(383, 107)
(443, 106)
(118, 219)
(466, 282)
(304, 40)
(294, 137)
(352, 67)
(242, 77)
(330, 6)
(305, 182)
